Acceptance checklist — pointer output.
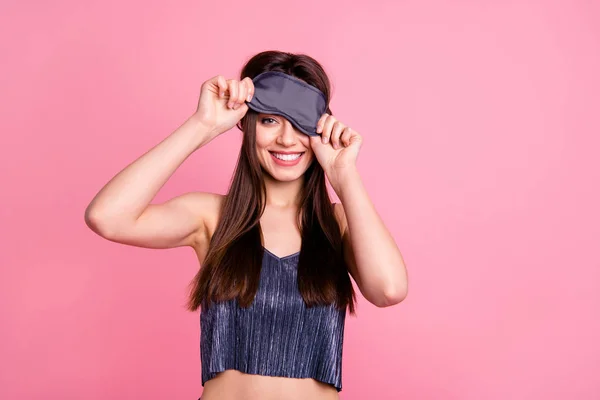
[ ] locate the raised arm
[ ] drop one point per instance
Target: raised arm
(121, 211)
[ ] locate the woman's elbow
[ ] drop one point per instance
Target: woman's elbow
(392, 297)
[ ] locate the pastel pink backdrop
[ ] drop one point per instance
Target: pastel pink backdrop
(480, 125)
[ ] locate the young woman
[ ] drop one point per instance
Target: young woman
(276, 255)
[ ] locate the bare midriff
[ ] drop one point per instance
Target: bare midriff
(234, 385)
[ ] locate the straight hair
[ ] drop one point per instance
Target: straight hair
(232, 266)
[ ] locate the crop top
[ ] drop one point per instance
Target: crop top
(277, 335)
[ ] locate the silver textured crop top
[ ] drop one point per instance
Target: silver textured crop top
(277, 335)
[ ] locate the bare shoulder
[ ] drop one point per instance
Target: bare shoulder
(208, 206)
(205, 202)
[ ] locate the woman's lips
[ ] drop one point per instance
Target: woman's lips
(286, 163)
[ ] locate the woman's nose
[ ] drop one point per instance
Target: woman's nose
(288, 135)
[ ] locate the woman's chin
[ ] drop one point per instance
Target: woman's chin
(289, 177)
(285, 176)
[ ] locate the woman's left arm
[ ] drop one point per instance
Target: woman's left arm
(373, 258)
(370, 251)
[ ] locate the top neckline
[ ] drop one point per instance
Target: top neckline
(280, 258)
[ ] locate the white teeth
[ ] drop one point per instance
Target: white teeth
(287, 157)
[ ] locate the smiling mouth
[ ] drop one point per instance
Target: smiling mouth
(286, 157)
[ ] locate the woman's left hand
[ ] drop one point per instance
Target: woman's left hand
(337, 147)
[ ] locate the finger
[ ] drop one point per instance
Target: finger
(346, 136)
(327, 125)
(250, 86)
(233, 92)
(221, 85)
(355, 139)
(320, 123)
(315, 141)
(241, 98)
(338, 127)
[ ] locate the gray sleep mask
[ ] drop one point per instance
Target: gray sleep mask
(282, 94)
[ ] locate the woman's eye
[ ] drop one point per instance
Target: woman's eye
(265, 119)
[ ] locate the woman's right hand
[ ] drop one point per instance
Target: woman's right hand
(223, 103)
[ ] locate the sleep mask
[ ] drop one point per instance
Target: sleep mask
(282, 94)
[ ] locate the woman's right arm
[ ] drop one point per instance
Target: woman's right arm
(121, 211)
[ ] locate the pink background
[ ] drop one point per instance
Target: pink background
(480, 123)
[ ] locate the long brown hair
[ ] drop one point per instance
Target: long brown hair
(231, 268)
